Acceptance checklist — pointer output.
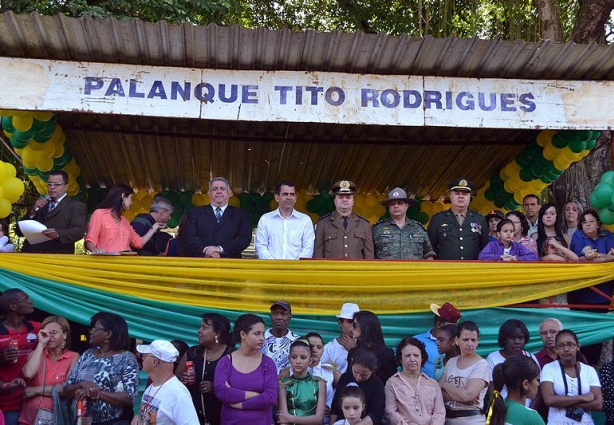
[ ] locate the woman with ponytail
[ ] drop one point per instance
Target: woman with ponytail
(520, 374)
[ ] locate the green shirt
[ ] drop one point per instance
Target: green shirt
(517, 414)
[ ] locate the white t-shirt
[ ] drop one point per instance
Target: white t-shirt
(167, 404)
(335, 353)
(495, 358)
(552, 373)
(460, 377)
(328, 376)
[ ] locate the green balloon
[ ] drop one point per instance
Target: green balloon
(7, 124)
(608, 178)
(422, 217)
(525, 175)
(413, 211)
(603, 195)
(268, 196)
(577, 146)
(606, 216)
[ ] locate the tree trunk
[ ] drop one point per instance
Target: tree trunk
(550, 27)
(581, 178)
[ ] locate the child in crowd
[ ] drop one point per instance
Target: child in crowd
(505, 249)
(554, 250)
(324, 371)
(352, 403)
(446, 347)
(302, 397)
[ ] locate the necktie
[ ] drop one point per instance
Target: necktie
(345, 222)
(218, 214)
(52, 205)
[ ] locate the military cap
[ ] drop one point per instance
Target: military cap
(396, 194)
(343, 187)
(462, 184)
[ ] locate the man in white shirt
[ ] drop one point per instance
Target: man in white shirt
(166, 401)
(530, 205)
(336, 350)
(284, 234)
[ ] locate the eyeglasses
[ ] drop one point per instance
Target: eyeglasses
(94, 330)
(53, 184)
(551, 332)
(569, 345)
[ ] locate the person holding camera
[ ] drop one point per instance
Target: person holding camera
(570, 389)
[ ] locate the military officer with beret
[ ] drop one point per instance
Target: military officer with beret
(399, 237)
(343, 234)
(458, 233)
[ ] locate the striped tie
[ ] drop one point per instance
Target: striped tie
(218, 214)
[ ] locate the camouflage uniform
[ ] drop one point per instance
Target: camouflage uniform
(409, 243)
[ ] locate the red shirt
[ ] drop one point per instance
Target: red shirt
(28, 340)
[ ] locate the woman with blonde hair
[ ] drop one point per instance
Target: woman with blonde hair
(48, 366)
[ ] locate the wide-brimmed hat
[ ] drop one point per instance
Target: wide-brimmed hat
(348, 310)
(447, 312)
(396, 194)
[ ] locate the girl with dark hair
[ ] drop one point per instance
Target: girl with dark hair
(554, 250)
(548, 225)
(302, 396)
(513, 336)
(465, 379)
(521, 228)
(411, 396)
(246, 380)
(352, 404)
(446, 347)
(108, 230)
(505, 249)
(520, 375)
(570, 388)
(107, 375)
(361, 372)
(368, 334)
(214, 342)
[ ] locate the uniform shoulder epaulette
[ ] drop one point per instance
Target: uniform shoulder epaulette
(417, 223)
(359, 216)
(324, 216)
(380, 222)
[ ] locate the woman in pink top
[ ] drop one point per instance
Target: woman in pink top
(108, 230)
(47, 366)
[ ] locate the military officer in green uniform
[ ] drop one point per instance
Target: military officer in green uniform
(458, 233)
(343, 234)
(399, 237)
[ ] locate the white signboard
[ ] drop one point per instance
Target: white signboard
(324, 97)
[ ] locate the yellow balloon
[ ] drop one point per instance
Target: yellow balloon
(198, 200)
(359, 200)
(550, 152)
(45, 163)
(35, 146)
(5, 207)
(140, 194)
(146, 202)
(9, 170)
(438, 206)
(73, 192)
(426, 207)
(136, 205)
(373, 219)
(43, 115)
(234, 201)
(544, 138)
(301, 204)
(13, 189)
(314, 217)
(29, 157)
(8, 135)
(273, 204)
(58, 148)
(57, 134)
(371, 200)
(379, 210)
(23, 123)
(366, 211)
(129, 214)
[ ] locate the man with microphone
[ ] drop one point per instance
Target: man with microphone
(64, 217)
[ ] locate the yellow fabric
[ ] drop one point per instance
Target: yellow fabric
(316, 286)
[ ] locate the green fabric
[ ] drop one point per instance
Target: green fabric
(148, 319)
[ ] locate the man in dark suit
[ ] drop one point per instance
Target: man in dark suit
(217, 229)
(458, 233)
(64, 217)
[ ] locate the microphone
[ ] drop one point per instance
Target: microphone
(47, 197)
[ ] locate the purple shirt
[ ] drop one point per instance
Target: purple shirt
(263, 380)
(494, 251)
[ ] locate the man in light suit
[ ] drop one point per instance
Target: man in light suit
(64, 217)
(217, 229)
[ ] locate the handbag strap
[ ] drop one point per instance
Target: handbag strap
(40, 400)
(577, 376)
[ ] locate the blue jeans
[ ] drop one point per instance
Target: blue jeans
(12, 418)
